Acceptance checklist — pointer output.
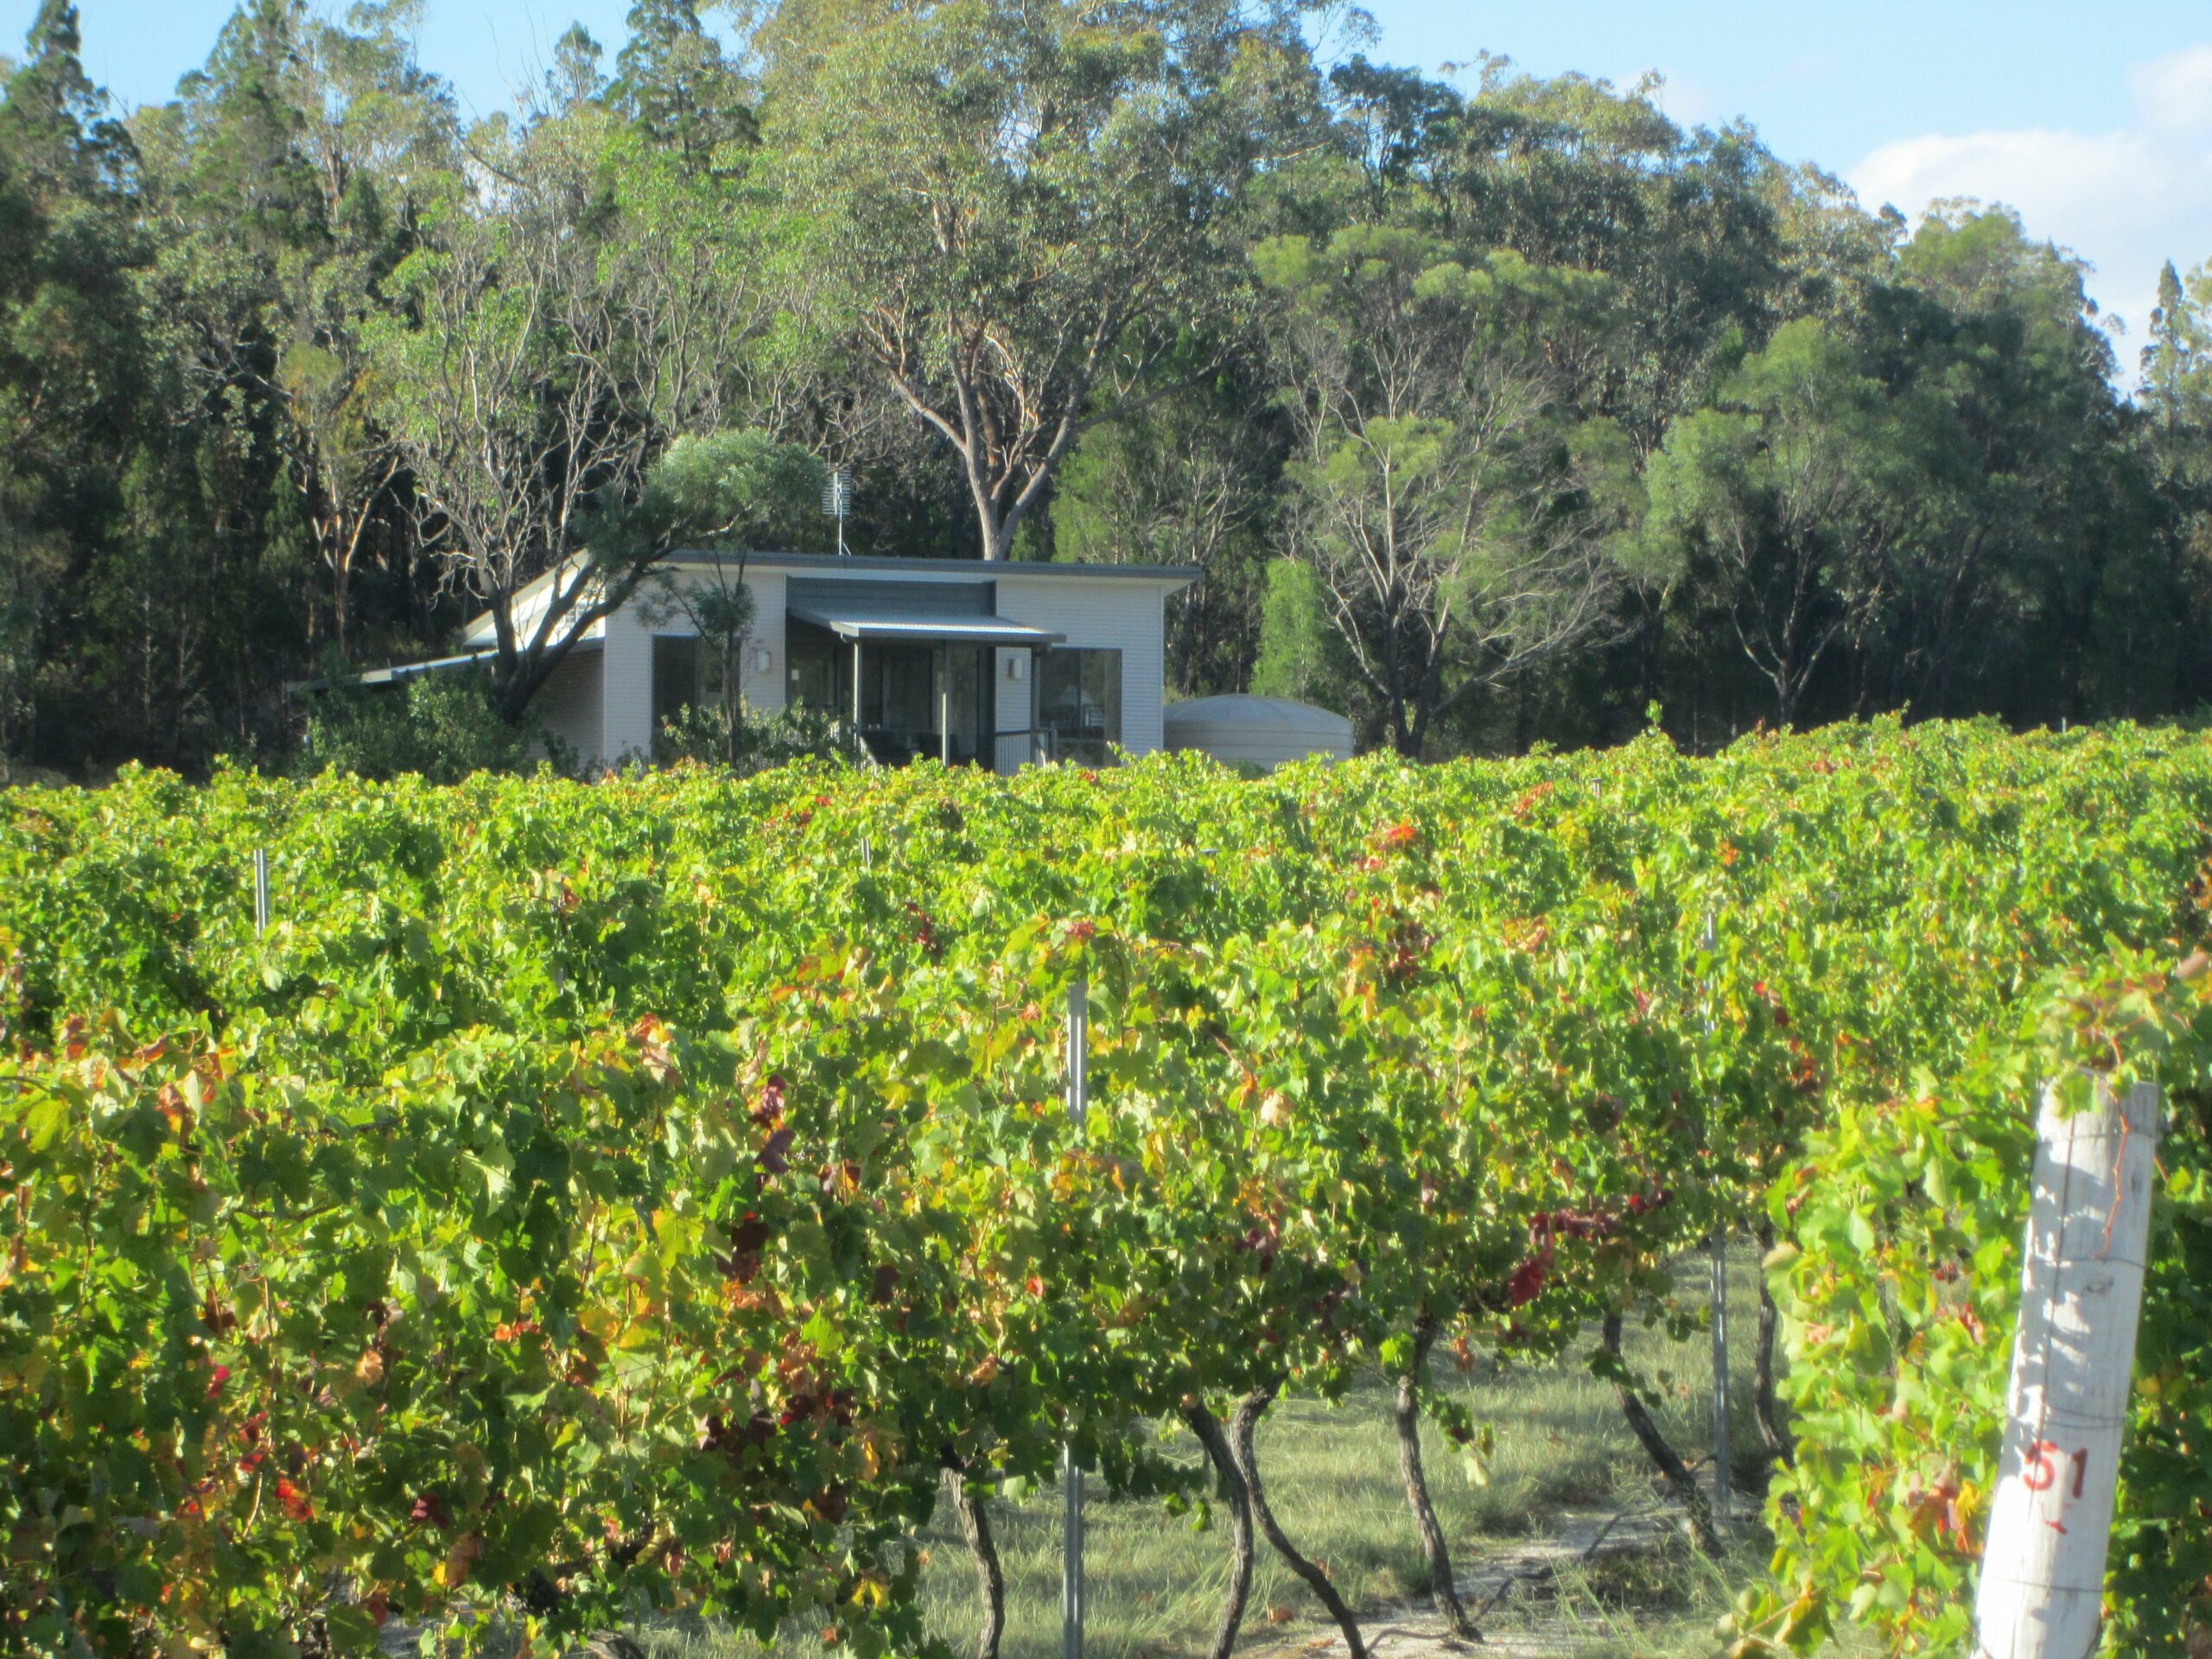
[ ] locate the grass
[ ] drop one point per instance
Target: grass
(1155, 1585)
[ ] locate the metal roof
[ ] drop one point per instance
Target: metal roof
(1181, 575)
(878, 624)
(398, 671)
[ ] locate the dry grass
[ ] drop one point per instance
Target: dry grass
(1155, 1584)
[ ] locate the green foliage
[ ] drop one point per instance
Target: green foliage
(442, 728)
(1296, 658)
(673, 82)
(300, 357)
(1016, 212)
(1464, 518)
(712, 733)
(738, 489)
(1900, 1288)
(1188, 480)
(1789, 488)
(645, 1139)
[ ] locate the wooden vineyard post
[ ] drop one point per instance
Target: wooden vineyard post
(2043, 1567)
(1718, 1269)
(1070, 1473)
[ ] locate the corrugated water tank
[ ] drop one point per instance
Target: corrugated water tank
(1256, 731)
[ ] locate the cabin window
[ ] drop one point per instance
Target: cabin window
(676, 675)
(1079, 702)
(815, 666)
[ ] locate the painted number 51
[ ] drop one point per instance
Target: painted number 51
(2047, 1459)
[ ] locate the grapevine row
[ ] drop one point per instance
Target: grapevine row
(598, 1202)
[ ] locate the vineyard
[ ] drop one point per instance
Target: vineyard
(587, 1203)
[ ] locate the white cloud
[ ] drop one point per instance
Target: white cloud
(1683, 101)
(2125, 200)
(2174, 93)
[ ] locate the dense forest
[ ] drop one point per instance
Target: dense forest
(1495, 412)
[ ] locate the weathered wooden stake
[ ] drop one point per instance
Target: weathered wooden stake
(1070, 1473)
(2043, 1566)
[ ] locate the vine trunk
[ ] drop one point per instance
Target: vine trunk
(1230, 1478)
(1672, 1469)
(990, 1577)
(1244, 1425)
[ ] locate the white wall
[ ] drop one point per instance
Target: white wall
(766, 692)
(1124, 613)
(626, 687)
(568, 704)
(528, 613)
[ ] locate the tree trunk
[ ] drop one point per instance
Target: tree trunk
(1404, 1416)
(1669, 1461)
(342, 608)
(1242, 1428)
(1207, 1427)
(990, 1578)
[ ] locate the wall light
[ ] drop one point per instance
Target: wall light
(763, 659)
(1017, 667)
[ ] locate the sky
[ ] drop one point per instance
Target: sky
(2093, 120)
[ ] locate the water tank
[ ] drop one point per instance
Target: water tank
(1256, 731)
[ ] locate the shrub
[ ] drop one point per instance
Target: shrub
(441, 726)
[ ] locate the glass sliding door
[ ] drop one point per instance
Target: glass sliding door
(1079, 702)
(911, 697)
(818, 670)
(968, 686)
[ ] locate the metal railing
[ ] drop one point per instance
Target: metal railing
(876, 746)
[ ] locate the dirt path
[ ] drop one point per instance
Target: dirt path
(1415, 1631)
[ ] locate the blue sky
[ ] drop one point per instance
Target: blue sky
(2095, 122)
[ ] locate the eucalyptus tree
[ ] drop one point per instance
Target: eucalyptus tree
(1785, 496)
(285, 180)
(1019, 210)
(673, 82)
(2018, 495)
(509, 389)
(575, 79)
(71, 352)
(1188, 479)
(1465, 524)
(2177, 364)
(381, 135)
(695, 261)
(2176, 397)
(2175, 400)
(1572, 173)
(534, 384)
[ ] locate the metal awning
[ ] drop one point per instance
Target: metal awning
(877, 624)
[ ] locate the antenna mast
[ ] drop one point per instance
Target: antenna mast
(836, 502)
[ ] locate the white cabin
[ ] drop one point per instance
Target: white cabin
(980, 664)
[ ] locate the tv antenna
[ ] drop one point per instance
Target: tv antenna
(836, 502)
